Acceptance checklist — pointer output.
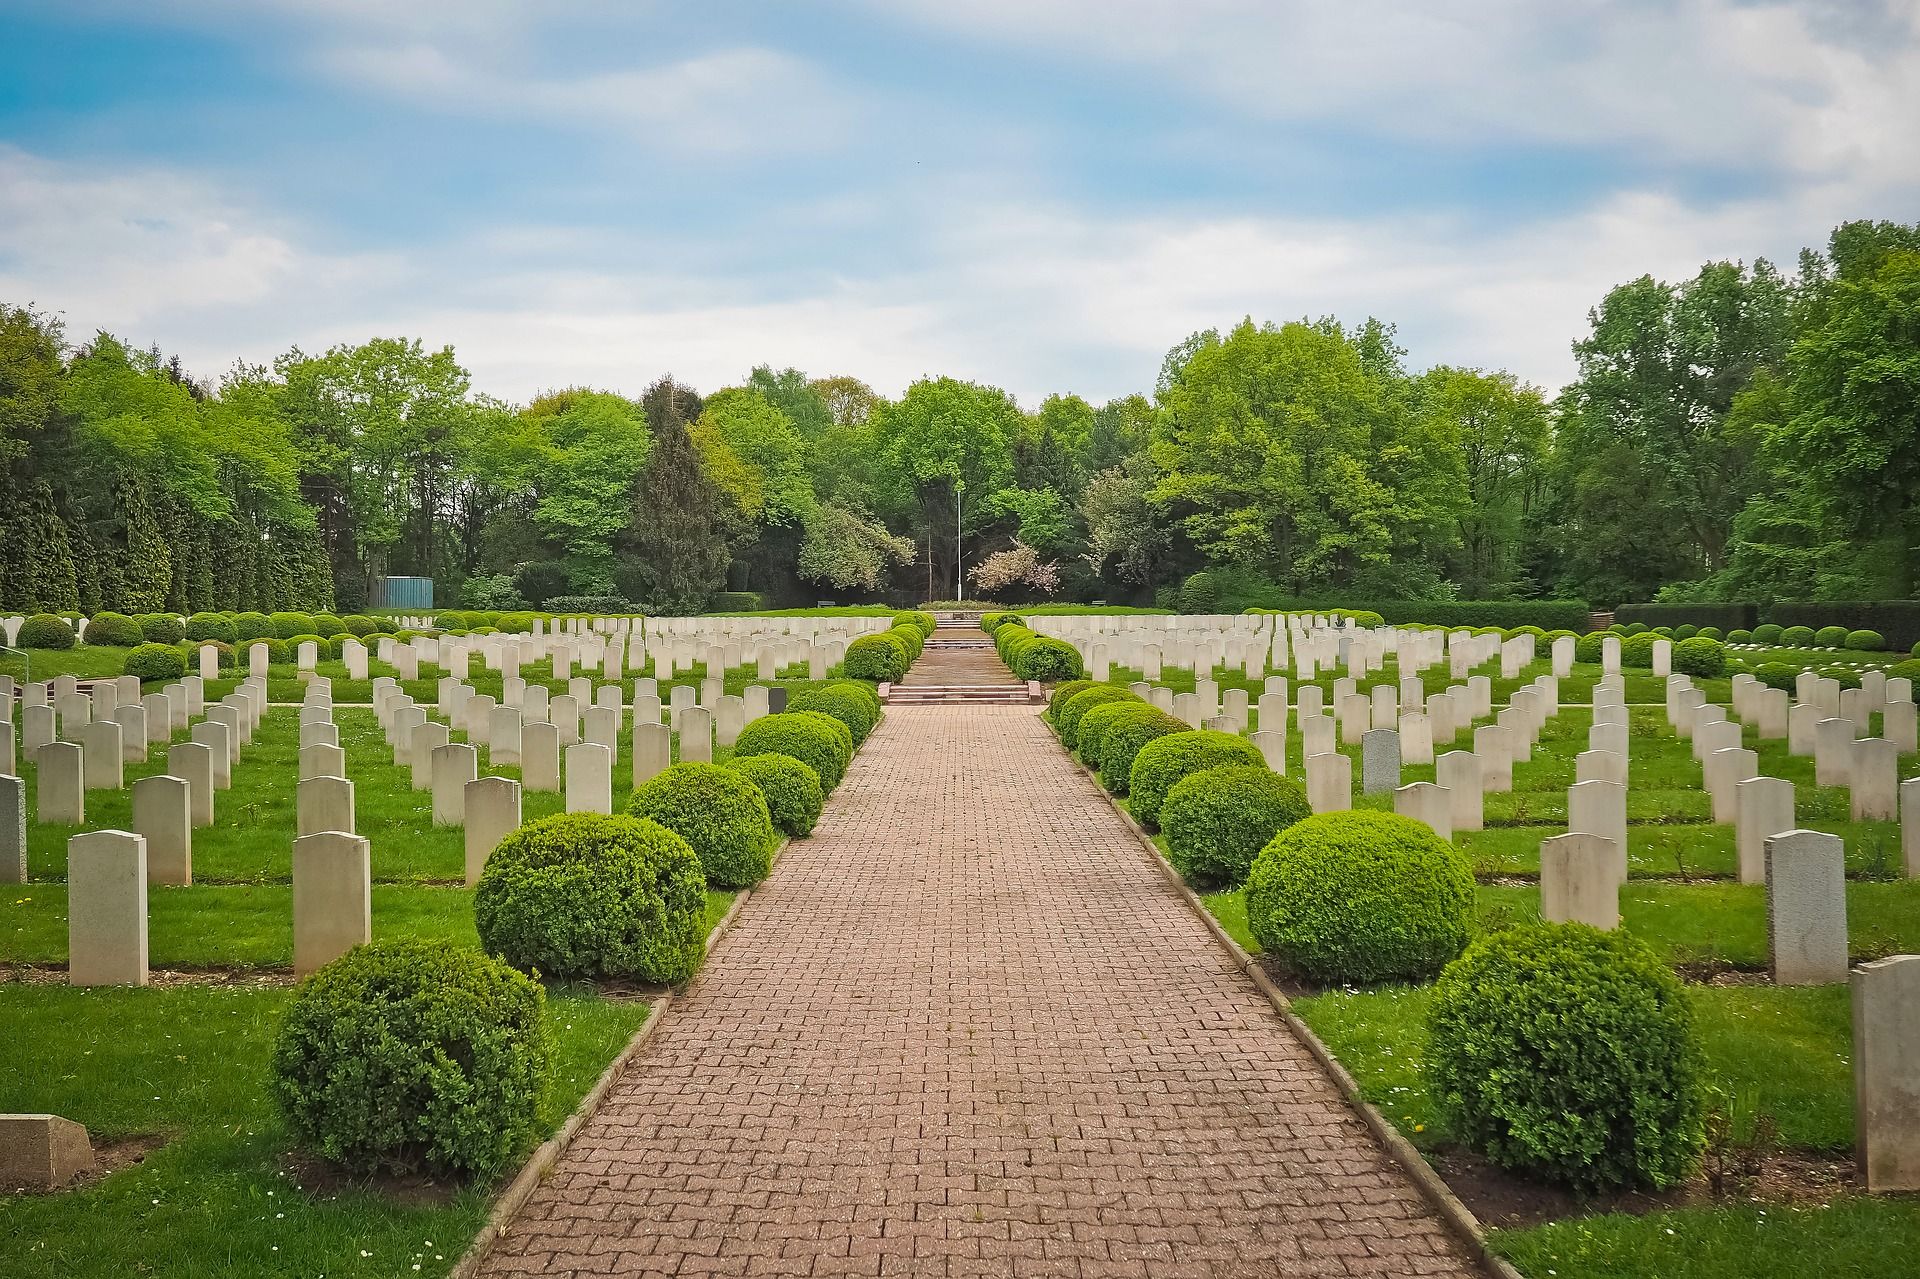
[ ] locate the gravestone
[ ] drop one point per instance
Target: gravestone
(492, 813)
(42, 1152)
(1600, 808)
(322, 804)
(1416, 738)
(1726, 769)
(322, 761)
(1600, 766)
(652, 750)
(1886, 1072)
(1428, 803)
(1329, 782)
(540, 757)
(1458, 773)
(1910, 826)
(1833, 752)
(454, 765)
(1762, 808)
(163, 816)
(696, 735)
(132, 719)
(107, 909)
(13, 830)
(1807, 908)
(589, 778)
(1379, 761)
(503, 736)
(1579, 880)
(193, 762)
(218, 739)
(60, 791)
(332, 897)
(602, 726)
(422, 742)
(1493, 747)
(1273, 748)
(1875, 780)
(563, 712)
(105, 765)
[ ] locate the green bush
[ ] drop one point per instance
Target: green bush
(737, 602)
(876, 658)
(1564, 1051)
(1163, 761)
(1909, 669)
(1636, 651)
(411, 1054)
(1739, 637)
(1700, 656)
(214, 628)
(1062, 691)
(791, 789)
(926, 623)
(853, 704)
(1360, 896)
(156, 661)
(588, 895)
(326, 626)
(288, 625)
(1709, 632)
(1587, 648)
(1866, 641)
(160, 628)
(115, 630)
(1094, 725)
(821, 742)
(1830, 637)
(248, 627)
(44, 630)
(363, 626)
(1797, 637)
(1047, 660)
(1129, 731)
(1777, 675)
(1199, 594)
(1076, 707)
(1218, 819)
(1687, 631)
(1724, 616)
(1767, 633)
(720, 812)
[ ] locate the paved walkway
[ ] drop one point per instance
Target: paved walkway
(967, 1030)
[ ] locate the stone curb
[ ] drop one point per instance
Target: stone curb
(1403, 1152)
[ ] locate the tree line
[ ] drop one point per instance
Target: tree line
(1743, 434)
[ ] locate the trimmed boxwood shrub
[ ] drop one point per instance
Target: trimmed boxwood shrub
(589, 895)
(1768, 633)
(412, 1054)
(791, 789)
(288, 625)
(1126, 735)
(1739, 637)
(1561, 1050)
(1360, 896)
(1163, 761)
(821, 742)
(1777, 675)
(1094, 725)
(1830, 636)
(326, 626)
(1218, 819)
(160, 628)
(1685, 631)
(877, 658)
(1909, 669)
(1048, 660)
(1709, 632)
(156, 661)
(1866, 641)
(251, 626)
(44, 630)
(718, 811)
(1797, 637)
(1064, 690)
(1636, 651)
(1700, 656)
(214, 628)
(1587, 648)
(1076, 707)
(853, 704)
(115, 630)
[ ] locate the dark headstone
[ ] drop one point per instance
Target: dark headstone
(776, 699)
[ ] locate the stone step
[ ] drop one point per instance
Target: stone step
(1021, 694)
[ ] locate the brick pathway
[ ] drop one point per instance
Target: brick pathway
(967, 1030)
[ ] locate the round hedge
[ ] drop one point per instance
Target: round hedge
(1636, 651)
(1360, 896)
(875, 658)
(1586, 649)
(1866, 641)
(115, 630)
(1797, 637)
(251, 626)
(413, 1054)
(1061, 692)
(1709, 632)
(821, 742)
(1830, 636)
(853, 704)
(1217, 820)
(288, 625)
(1127, 734)
(326, 625)
(156, 661)
(1562, 1050)
(1163, 761)
(1076, 707)
(210, 628)
(1909, 669)
(791, 789)
(1686, 630)
(44, 630)
(1048, 660)
(588, 895)
(160, 628)
(1777, 675)
(1767, 633)
(1094, 725)
(1700, 656)
(717, 810)
(1739, 635)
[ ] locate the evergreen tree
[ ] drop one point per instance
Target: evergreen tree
(677, 552)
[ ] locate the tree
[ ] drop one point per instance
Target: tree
(578, 457)
(1498, 430)
(1017, 568)
(677, 554)
(1124, 531)
(849, 552)
(947, 448)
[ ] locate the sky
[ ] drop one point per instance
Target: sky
(1044, 195)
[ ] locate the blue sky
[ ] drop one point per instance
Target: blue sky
(1041, 194)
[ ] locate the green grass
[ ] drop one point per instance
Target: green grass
(218, 1200)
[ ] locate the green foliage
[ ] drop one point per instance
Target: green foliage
(1093, 728)
(587, 895)
(1724, 616)
(252, 626)
(877, 658)
(44, 630)
(821, 742)
(1700, 656)
(113, 629)
(1132, 726)
(1685, 630)
(854, 704)
(1737, 636)
(215, 627)
(1587, 648)
(1897, 620)
(1062, 691)
(1067, 721)
(156, 661)
(326, 625)
(1218, 819)
(410, 1054)
(1909, 669)
(1360, 896)
(1709, 632)
(1163, 761)
(1865, 641)
(1830, 637)
(1767, 633)
(791, 789)
(160, 628)
(738, 602)
(1048, 660)
(288, 625)
(720, 812)
(1777, 675)
(1564, 1051)
(1636, 651)
(1797, 637)
(1549, 615)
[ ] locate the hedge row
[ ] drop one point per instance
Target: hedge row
(1897, 621)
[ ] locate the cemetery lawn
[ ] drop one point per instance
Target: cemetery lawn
(223, 1196)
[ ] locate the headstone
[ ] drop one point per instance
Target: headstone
(1886, 1073)
(132, 719)
(107, 909)
(194, 762)
(217, 738)
(421, 744)
(1600, 766)
(454, 765)
(1579, 881)
(492, 813)
(1600, 808)
(163, 816)
(60, 793)
(563, 712)
(323, 803)
(1762, 808)
(1910, 826)
(589, 778)
(1807, 908)
(1833, 752)
(1273, 748)
(1329, 782)
(503, 737)
(1416, 738)
(13, 830)
(1493, 747)
(322, 761)
(1380, 761)
(1459, 774)
(105, 765)
(42, 1152)
(696, 735)
(540, 757)
(602, 726)
(1726, 769)
(332, 897)
(1875, 780)
(1426, 802)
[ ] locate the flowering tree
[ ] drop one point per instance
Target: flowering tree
(1018, 565)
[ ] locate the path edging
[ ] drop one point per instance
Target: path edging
(1403, 1152)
